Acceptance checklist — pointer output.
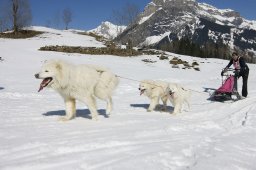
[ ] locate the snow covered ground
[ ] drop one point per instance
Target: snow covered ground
(210, 136)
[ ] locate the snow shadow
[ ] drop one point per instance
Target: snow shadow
(1, 88)
(85, 113)
(145, 106)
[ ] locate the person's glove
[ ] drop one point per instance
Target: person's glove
(222, 73)
(236, 73)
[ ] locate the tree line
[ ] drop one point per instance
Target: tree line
(209, 49)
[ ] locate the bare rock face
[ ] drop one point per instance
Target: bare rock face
(159, 2)
(164, 21)
(149, 9)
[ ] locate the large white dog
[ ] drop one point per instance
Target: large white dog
(81, 82)
(154, 90)
(178, 95)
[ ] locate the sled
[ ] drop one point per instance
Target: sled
(228, 90)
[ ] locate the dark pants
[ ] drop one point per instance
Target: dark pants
(244, 76)
(245, 80)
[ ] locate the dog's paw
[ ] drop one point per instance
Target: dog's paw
(95, 118)
(64, 119)
(149, 110)
(174, 113)
(108, 113)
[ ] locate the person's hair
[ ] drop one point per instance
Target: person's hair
(234, 53)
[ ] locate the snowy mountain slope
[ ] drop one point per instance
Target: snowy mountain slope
(66, 37)
(108, 30)
(195, 9)
(165, 21)
(209, 136)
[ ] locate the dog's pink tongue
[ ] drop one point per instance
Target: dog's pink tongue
(40, 88)
(42, 85)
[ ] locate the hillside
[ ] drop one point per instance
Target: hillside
(164, 23)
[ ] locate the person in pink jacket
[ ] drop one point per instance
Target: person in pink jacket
(241, 70)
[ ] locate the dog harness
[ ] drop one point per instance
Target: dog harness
(171, 93)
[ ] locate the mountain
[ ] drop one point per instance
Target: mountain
(164, 22)
(108, 30)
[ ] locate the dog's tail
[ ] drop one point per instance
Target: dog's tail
(99, 69)
(106, 85)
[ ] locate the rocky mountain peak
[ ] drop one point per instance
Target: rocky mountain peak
(165, 21)
(108, 30)
(182, 4)
(175, 2)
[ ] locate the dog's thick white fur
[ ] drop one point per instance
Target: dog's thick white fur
(178, 95)
(81, 82)
(154, 90)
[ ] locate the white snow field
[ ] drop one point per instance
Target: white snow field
(209, 136)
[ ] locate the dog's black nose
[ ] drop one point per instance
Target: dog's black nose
(37, 76)
(139, 88)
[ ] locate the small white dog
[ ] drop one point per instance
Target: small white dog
(82, 82)
(178, 95)
(154, 90)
